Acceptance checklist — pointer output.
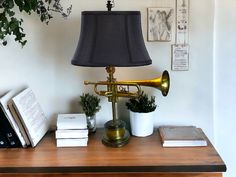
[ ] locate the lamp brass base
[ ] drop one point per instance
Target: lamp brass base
(115, 134)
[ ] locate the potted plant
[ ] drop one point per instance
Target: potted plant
(141, 115)
(90, 106)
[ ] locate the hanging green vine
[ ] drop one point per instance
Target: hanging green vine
(10, 24)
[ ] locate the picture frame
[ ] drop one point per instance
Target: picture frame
(182, 21)
(180, 57)
(160, 24)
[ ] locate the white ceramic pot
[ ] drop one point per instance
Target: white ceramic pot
(142, 124)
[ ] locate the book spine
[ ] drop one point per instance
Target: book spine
(8, 131)
(18, 122)
(161, 135)
(4, 106)
(70, 135)
(78, 142)
(3, 141)
(14, 125)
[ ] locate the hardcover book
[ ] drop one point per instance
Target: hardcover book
(83, 133)
(8, 136)
(71, 121)
(3, 141)
(181, 136)
(75, 142)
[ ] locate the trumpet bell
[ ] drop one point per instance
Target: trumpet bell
(165, 83)
(161, 83)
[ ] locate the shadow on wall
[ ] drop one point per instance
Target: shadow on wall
(59, 38)
(123, 112)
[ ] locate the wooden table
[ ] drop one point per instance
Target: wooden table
(141, 157)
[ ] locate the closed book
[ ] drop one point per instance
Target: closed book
(71, 133)
(8, 132)
(71, 121)
(75, 142)
(181, 136)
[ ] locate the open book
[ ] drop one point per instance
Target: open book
(31, 115)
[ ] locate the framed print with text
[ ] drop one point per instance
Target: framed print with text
(180, 57)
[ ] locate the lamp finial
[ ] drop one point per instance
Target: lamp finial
(109, 5)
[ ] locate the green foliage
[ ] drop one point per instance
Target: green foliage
(90, 104)
(142, 104)
(10, 24)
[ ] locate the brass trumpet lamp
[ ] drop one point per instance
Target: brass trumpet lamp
(114, 39)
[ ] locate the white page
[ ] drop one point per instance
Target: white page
(32, 115)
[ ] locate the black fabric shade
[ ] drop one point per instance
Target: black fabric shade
(111, 38)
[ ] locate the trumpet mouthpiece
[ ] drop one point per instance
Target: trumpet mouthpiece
(86, 82)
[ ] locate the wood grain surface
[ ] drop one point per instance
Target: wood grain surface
(116, 175)
(139, 156)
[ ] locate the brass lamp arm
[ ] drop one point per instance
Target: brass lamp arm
(116, 133)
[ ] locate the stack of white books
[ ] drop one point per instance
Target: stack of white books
(71, 130)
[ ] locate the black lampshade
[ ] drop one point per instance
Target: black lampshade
(111, 38)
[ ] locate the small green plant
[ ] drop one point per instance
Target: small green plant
(90, 104)
(142, 104)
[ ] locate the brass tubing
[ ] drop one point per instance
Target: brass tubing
(114, 114)
(162, 83)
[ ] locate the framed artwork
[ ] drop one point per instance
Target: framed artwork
(180, 57)
(182, 21)
(160, 24)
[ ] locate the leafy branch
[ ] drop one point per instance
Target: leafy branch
(90, 104)
(141, 104)
(10, 24)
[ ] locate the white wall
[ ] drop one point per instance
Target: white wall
(225, 82)
(44, 65)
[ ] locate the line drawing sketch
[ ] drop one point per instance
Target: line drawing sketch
(182, 21)
(160, 23)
